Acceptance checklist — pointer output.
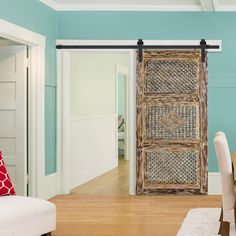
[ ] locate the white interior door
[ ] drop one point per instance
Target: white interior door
(13, 110)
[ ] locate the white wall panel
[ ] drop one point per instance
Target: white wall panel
(92, 147)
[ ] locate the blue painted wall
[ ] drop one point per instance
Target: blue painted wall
(50, 125)
(35, 16)
(173, 25)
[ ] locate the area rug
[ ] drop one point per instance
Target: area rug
(202, 222)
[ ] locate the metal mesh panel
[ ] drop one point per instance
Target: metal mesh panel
(171, 77)
(172, 121)
(171, 168)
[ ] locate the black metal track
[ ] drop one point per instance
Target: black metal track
(203, 46)
(135, 47)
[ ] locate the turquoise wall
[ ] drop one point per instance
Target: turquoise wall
(50, 125)
(39, 18)
(121, 94)
(173, 25)
(35, 16)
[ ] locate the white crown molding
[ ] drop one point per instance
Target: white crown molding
(17, 33)
(126, 8)
(215, 4)
(206, 5)
(226, 8)
(50, 3)
(111, 7)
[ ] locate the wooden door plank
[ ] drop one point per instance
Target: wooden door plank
(176, 93)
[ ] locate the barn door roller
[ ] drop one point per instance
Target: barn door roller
(203, 46)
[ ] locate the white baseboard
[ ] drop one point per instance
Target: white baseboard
(51, 183)
(214, 183)
(50, 186)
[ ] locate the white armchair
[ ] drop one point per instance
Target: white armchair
(227, 183)
(26, 216)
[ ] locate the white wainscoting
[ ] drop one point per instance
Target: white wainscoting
(93, 147)
(214, 183)
(51, 185)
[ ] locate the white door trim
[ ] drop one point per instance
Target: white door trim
(63, 108)
(36, 43)
(120, 69)
(63, 99)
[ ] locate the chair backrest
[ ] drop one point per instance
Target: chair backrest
(225, 167)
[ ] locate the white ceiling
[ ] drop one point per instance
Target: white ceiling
(142, 5)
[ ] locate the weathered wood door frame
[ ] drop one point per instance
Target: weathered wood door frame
(164, 145)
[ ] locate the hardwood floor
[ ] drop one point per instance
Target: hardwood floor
(115, 181)
(102, 207)
(123, 215)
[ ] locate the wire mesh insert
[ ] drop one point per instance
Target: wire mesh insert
(171, 168)
(171, 77)
(171, 121)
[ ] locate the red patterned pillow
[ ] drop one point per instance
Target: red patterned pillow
(6, 187)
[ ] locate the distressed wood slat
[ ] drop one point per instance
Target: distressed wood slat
(170, 98)
(204, 126)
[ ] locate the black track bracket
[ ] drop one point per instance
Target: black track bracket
(203, 49)
(140, 50)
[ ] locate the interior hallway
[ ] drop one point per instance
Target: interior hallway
(115, 181)
(123, 215)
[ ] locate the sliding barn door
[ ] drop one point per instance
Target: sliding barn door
(171, 123)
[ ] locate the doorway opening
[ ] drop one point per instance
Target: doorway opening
(35, 107)
(13, 110)
(122, 77)
(95, 166)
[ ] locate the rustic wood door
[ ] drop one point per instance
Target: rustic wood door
(171, 119)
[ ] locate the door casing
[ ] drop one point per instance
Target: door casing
(15, 161)
(63, 118)
(124, 71)
(36, 134)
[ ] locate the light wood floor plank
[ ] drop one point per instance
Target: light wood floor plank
(123, 215)
(115, 181)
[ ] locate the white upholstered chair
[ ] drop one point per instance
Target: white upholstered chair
(227, 183)
(26, 216)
